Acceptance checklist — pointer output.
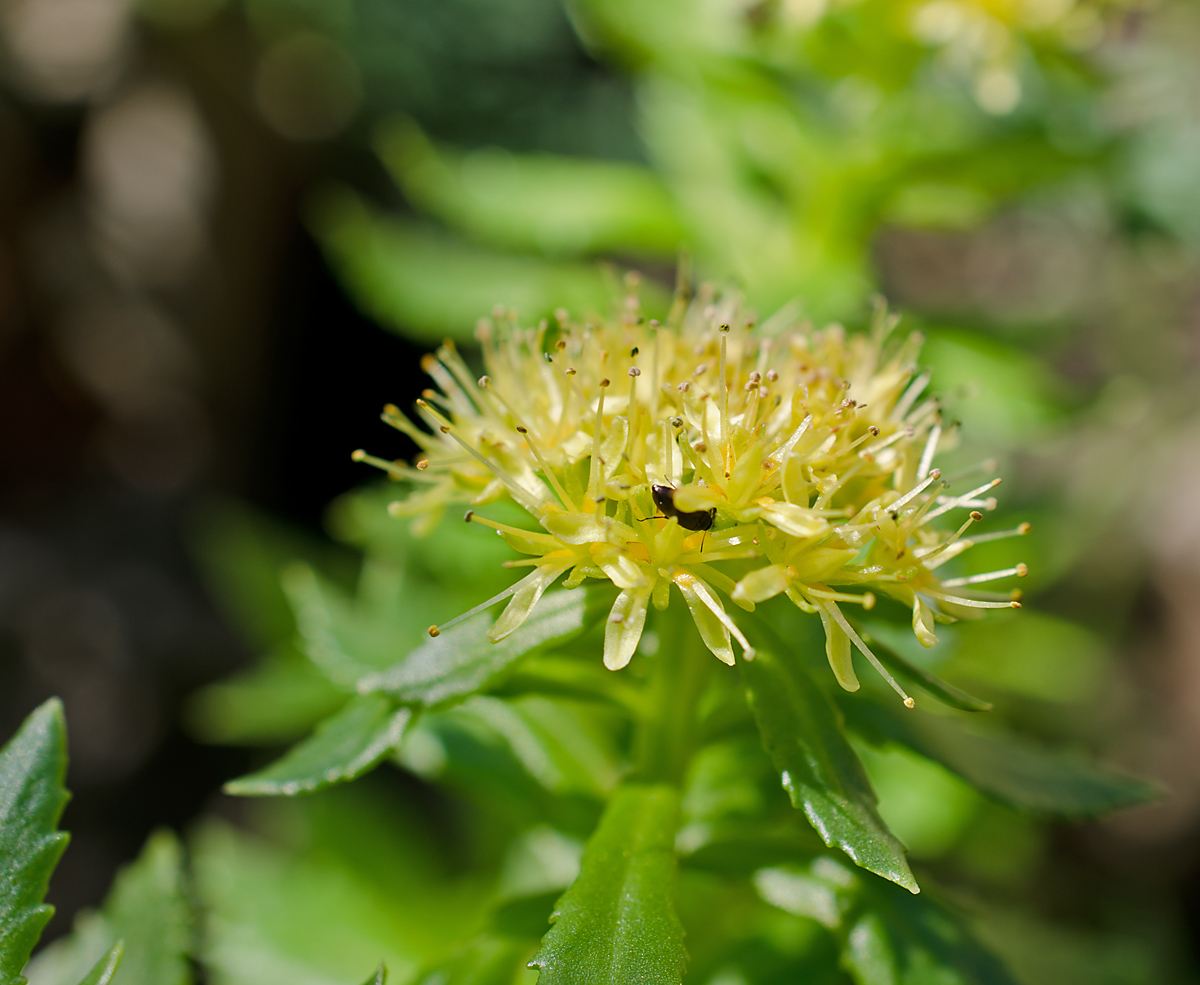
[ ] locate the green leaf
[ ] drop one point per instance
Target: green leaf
(379, 978)
(429, 286)
(147, 911)
(32, 797)
(802, 733)
(538, 202)
(902, 940)
(617, 922)
(148, 908)
(487, 960)
(940, 689)
(342, 748)
(1007, 767)
(463, 660)
(886, 936)
(106, 967)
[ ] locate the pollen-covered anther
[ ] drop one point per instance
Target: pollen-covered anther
(434, 631)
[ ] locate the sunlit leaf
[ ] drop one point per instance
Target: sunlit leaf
(801, 731)
(542, 203)
(617, 922)
(462, 659)
(428, 286)
(343, 747)
(32, 766)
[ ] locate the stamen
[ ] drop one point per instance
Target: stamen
(1020, 570)
(550, 476)
(395, 470)
(910, 395)
(928, 552)
(935, 434)
(437, 630)
(967, 499)
(903, 501)
(836, 613)
(970, 603)
(1018, 531)
(594, 466)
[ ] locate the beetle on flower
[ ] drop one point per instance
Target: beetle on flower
(705, 454)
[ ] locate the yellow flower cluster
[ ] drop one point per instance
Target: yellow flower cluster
(731, 461)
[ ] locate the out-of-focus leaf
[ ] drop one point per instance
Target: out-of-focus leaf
(379, 978)
(617, 922)
(278, 701)
(822, 775)
(1009, 768)
(557, 748)
(543, 203)
(887, 936)
(486, 960)
(32, 766)
(241, 555)
(277, 919)
(104, 969)
(147, 911)
(462, 659)
(148, 908)
(343, 747)
(940, 689)
(427, 286)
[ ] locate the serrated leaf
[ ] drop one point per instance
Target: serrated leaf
(106, 967)
(343, 747)
(487, 960)
(463, 660)
(32, 796)
(802, 733)
(617, 921)
(379, 978)
(1007, 767)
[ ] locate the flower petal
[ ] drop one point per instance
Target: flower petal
(529, 590)
(623, 630)
(704, 607)
(795, 520)
(760, 585)
(837, 649)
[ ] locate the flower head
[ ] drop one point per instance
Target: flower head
(727, 461)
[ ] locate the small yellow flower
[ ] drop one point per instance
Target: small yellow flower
(705, 454)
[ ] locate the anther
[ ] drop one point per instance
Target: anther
(444, 429)
(358, 455)
(467, 517)
(1022, 570)
(434, 632)
(772, 376)
(633, 352)
(677, 422)
(605, 382)
(484, 382)
(634, 372)
(423, 464)
(521, 429)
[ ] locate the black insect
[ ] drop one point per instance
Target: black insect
(664, 499)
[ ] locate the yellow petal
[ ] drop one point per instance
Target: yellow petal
(795, 520)
(692, 499)
(923, 623)
(621, 571)
(704, 606)
(529, 590)
(587, 528)
(760, 585)
(623, 630)
(837, 649)
(821, 564)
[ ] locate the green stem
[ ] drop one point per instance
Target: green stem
(667, 734)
